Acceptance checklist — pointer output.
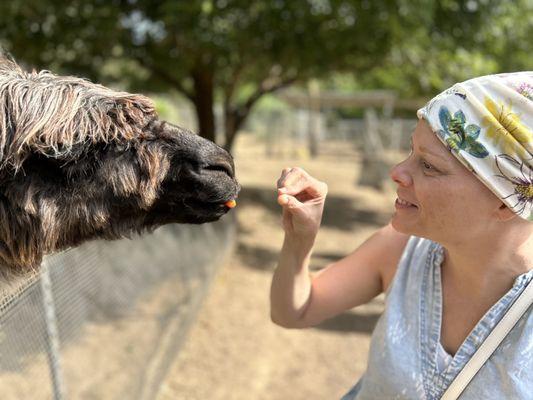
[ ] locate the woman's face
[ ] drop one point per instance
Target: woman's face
(438, 198)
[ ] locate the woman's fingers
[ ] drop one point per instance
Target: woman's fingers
(311, 186)
(283, 176)
(295, 180)
(302, 199)
(291, 175)
(288, 201)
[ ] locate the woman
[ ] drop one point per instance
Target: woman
(455, 256)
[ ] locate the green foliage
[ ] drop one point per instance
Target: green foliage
(460, 40)
(76, 36)
(235, 51)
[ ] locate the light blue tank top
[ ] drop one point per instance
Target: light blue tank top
(404, 348)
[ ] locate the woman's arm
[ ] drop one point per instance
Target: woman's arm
(299, 300)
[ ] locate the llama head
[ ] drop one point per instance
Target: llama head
(79, 161)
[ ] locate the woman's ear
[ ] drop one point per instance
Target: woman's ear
(504, 213)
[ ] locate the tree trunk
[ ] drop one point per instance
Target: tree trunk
(234, 116)
(204, 102)
(233, 121)
(229, 142)
(230, 128)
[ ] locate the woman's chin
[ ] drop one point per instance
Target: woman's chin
(400, 225)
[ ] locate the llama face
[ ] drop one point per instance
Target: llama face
(79, 161)
(199, 181)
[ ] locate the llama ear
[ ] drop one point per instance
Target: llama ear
(5, 55)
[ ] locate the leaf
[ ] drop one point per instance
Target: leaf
(445, 117)
(459, 116)
(475, 148)
(452, 143)
(508, 158)
(456, 137)
(472, 131)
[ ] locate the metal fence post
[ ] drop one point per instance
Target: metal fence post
(52, 336)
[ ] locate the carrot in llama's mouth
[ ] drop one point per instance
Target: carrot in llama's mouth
(230, 203)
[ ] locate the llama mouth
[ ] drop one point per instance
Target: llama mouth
(211, 208)
(232, 203)
(189, 212)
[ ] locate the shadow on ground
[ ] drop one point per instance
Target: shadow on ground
(341, 212)
(256, 257)
(350, 322)
(264, 259)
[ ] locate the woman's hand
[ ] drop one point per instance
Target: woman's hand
(302, 198)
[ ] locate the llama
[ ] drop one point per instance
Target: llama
(79, 161)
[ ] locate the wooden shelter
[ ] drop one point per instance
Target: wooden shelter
(376, 164)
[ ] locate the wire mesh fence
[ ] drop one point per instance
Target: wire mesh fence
(105, 320)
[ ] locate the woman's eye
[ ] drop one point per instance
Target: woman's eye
(427, 166)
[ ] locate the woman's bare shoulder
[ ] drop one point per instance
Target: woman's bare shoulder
(390, 245)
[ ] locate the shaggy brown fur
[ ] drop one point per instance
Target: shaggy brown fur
(80, 161)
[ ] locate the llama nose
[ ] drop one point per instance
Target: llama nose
(221, 166)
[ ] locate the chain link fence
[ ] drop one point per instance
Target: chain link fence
(105, 320)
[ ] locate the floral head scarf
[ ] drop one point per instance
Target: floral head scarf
(487, 124)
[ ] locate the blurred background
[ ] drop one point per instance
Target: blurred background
(329, 85)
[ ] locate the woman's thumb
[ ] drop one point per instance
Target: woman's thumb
(288, 201)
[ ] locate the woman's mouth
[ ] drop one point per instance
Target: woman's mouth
(403, 204)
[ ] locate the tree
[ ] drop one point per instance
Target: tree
(232, 51)
(459, 40)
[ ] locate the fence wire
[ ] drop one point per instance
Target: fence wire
(105, 320)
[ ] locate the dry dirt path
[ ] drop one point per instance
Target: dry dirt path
(233, 350)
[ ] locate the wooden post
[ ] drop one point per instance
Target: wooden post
(52, 334)
(374, 169)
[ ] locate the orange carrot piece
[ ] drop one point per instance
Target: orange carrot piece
(230, 203)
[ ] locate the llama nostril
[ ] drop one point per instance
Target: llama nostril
(221, 166)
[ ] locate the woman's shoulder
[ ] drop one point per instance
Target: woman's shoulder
(420, 249)
(419, 255)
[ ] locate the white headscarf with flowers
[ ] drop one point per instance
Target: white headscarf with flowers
(487, 124)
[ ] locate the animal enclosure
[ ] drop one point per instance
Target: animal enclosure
(104, 321)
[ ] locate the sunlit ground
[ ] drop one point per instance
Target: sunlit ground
(234, 351)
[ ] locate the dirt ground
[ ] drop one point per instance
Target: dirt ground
(233, 350)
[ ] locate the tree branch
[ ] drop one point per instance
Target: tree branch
(229, 88)
(238, 114)
(167, 77)
(269, 85)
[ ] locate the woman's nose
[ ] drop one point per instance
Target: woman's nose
(400, 174)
